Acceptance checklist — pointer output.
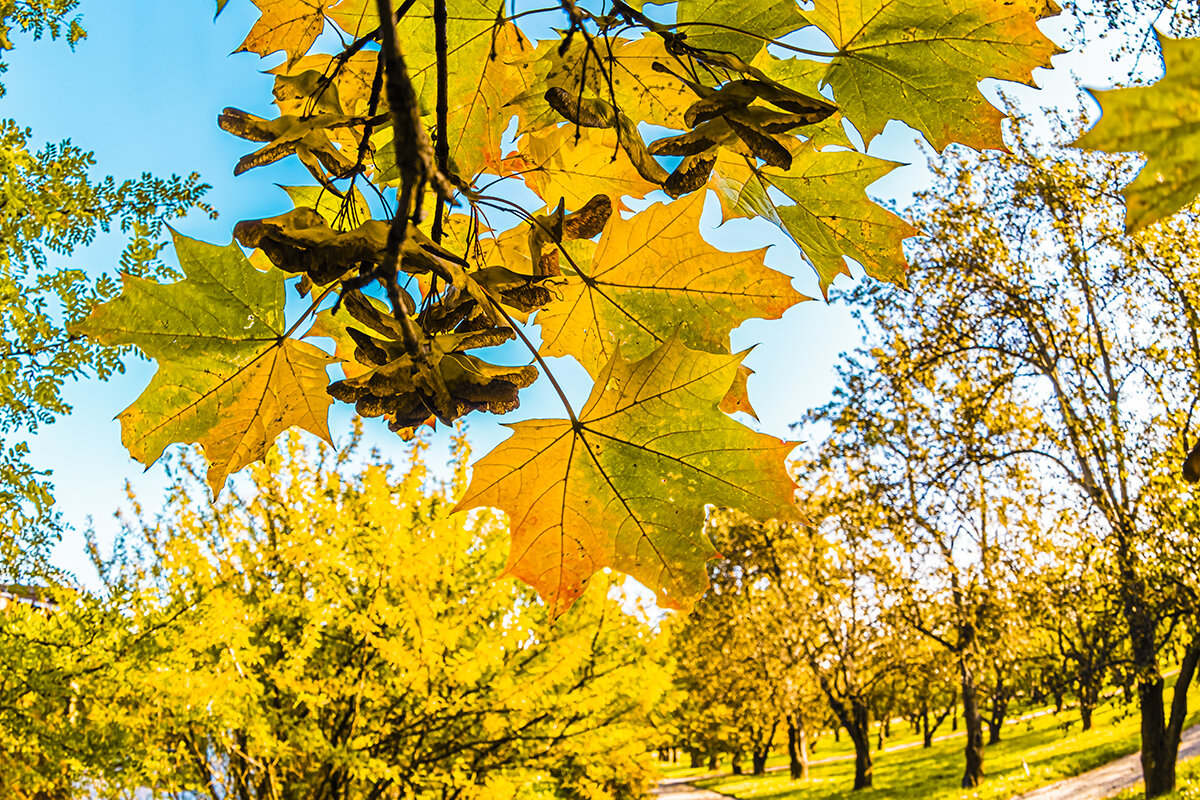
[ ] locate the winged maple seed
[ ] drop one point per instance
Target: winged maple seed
(448, 105)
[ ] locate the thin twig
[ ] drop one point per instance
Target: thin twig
(538, 357)
(442, 142)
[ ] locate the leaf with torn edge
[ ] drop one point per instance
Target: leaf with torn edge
(226, 378)
(288, 25)
(832, 217)
(1162, 121)
(628, 485)
(920, 61)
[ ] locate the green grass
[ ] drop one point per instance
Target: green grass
(680, 770)
(1034, 752)
(1187, 779)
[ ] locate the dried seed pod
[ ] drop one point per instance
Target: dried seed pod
(589, 220)
(691, 174)
(369, 351)
(584, 112)
(762, 145)
(489, 337)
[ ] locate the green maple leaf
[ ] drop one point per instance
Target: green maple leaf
(920, 61)
(627, 486)
(752, 24)
(227, 377)
(1162, 121)
(832, 217)
(652, 276)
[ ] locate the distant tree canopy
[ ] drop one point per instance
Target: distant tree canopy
(327, 630)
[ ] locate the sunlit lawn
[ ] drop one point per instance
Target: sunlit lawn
(1033, 752)
(1187, 779)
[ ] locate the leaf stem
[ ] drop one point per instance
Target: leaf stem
(538, 357)
(311, 308)
(412, 162)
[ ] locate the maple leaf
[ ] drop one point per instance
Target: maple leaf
(653, 275)
(288, 25)
(735, 26)
(641, 91)
(348, 93)
(227, 378)
(557, 166)
(832, 217)
(920, 61)
(355, 17)
(336, 211)
(478, 93)
(1162, 121)
(626, 487)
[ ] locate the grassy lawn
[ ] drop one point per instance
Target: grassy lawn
(1034, 752)
(1188, 781)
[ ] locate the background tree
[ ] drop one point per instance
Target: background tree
(1048, 317)
(959, 524)
(50, 205)
(330, 631)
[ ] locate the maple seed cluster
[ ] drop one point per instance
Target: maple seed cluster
(443, 381)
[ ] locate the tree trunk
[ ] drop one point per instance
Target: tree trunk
(996, 720)
(713, 762)
(761, 742)
(860, 734)
(854, 715)
(1085, 712)
(695, 757)
(1158, 760)
(973, 772)
(797, 749)
(1159, 772)
(735, 762)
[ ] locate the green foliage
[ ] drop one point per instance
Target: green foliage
(329, 630)
(39, 18)
(50, 205)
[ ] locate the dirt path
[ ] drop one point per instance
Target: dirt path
(1111, 778)
(680, 789)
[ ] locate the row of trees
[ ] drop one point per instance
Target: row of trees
(327, 630)
(995, 510)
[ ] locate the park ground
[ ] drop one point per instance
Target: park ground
(1037, 748)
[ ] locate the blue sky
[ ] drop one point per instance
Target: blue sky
(144, 90)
